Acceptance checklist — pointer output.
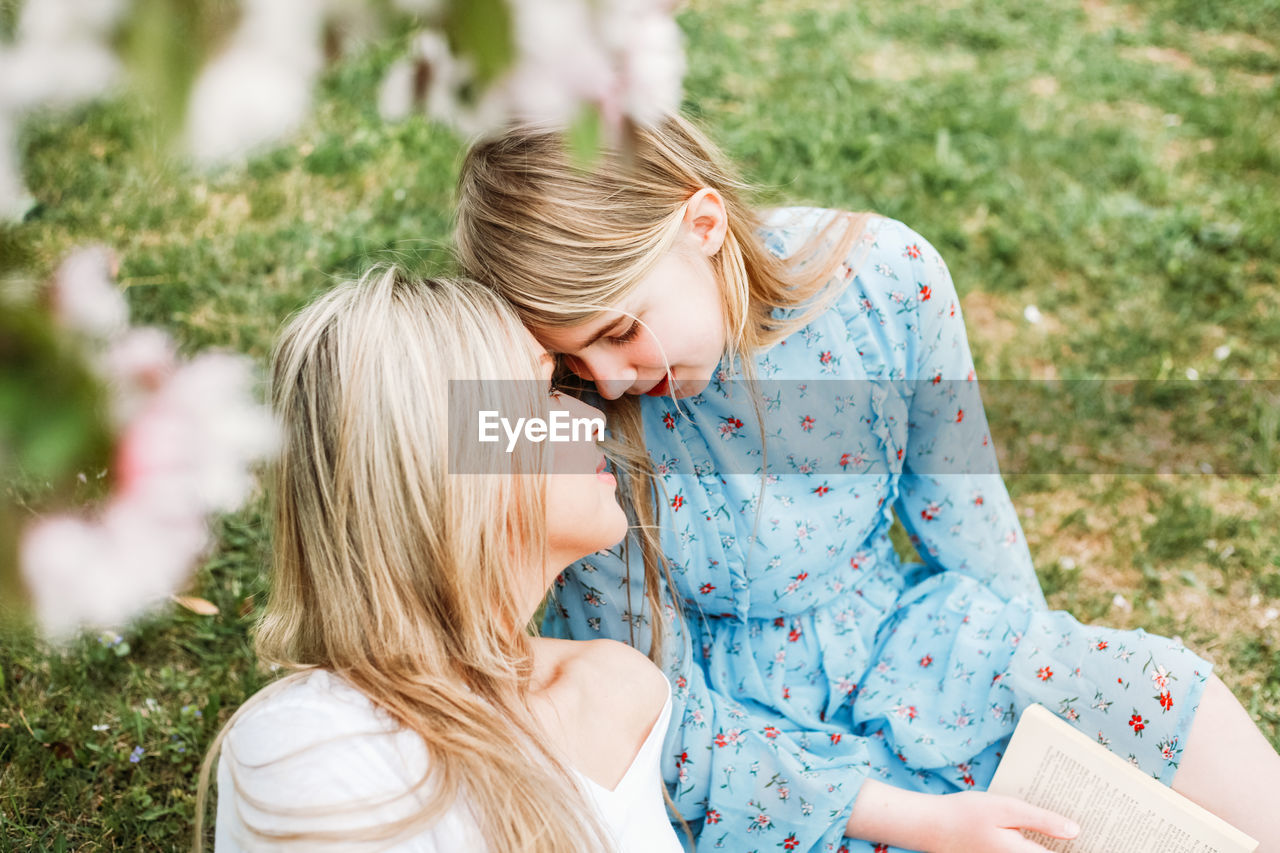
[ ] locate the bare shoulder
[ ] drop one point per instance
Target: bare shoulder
(606, 676)
(598, 700)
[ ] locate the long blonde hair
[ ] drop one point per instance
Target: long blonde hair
(401, 578)
(559, 242)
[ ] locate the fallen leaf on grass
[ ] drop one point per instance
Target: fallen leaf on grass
(197, 605)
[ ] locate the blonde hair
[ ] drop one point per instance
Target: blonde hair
(559, 242)
(404, 579)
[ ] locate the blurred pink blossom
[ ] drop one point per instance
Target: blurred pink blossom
(190, 433)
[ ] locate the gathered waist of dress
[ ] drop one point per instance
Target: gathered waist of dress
(872, 578)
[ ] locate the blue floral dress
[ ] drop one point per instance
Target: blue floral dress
(807, 656)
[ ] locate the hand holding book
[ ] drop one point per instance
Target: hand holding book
(1051, 764)
(981, 822)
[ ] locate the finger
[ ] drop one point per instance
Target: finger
(1018, 843)
(1027, 816)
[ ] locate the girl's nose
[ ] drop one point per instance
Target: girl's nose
(612, 377)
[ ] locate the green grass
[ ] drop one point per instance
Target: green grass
(1115, 165)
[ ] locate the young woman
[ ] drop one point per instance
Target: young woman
(421, 716)
(828, 696)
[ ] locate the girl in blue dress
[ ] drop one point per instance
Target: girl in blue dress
(781, 386)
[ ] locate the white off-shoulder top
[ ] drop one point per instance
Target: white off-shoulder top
(317, 755)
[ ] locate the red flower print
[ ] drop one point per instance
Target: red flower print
(803, 576)
(937, 377)
(682, 682)
(790, 842)
(822, 490)
(926, 660)
(899, 454)
(930, 512)
(807, 422)
(721, 740)
(959, 415)
(825, 357)
(913, 252)
(669, 420)
(844, 460)
(1044, 673)
(712, 816)
(835, 738)
(677, 502)
(1137, 723)
(786, 692)
(1102, 644)
(794, 635)
(763, 820)
(882, 848)
(682, 758)
(978, 500)
(953, 310)
(843, 848)
(779, 622)
(706, 588)
(926, 293)
(771, 732)
(1166, 700)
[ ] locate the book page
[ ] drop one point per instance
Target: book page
(1119, 808)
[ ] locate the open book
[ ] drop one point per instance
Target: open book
(1119, 808)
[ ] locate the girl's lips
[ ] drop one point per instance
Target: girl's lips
(659, 390)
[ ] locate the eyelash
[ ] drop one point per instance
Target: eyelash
(629, 335)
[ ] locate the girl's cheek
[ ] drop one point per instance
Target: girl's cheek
(650, 352)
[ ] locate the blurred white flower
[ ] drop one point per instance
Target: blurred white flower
(59, 55)
(259, 90)
(1032, 314)
(15, 201)
(651, 59)
(1221, 352)
(1192, 374)
(433, 78)
(1120, 602)
(85, 296)
(190, 433)
(62, 20)
(421, 8)
(621, 57)
(54, 74)
(395, 93)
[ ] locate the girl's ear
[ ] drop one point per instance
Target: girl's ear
(708, 220)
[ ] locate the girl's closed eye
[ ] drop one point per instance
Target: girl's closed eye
(629, 335)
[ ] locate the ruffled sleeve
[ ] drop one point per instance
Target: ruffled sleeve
(951, 498)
